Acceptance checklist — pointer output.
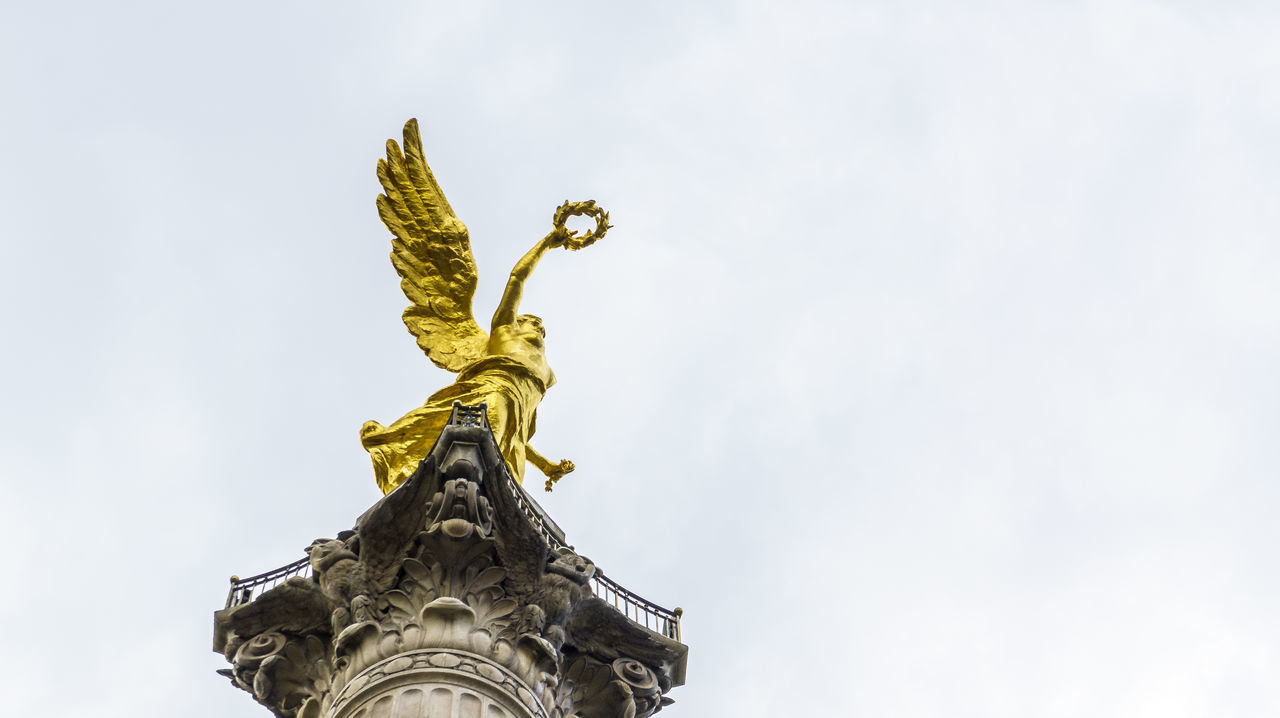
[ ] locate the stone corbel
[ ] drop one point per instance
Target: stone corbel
(288, 674)
(623, 688)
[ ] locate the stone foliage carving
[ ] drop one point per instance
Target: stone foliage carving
(446, 582)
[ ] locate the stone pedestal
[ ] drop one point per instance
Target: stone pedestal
(455, 596)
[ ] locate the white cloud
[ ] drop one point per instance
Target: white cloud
(941, 336)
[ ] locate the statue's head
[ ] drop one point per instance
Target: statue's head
(529, 322)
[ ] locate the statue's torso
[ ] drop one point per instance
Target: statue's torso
(524, 347)
(510, 380)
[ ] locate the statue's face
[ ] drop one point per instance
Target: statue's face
(530, 325)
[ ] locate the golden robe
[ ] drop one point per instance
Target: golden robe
(512, 392)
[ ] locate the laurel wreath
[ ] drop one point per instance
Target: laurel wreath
(589, 208)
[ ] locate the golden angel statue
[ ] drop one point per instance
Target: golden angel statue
(505, 369)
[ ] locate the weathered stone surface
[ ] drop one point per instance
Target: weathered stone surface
(437, 683)
(452, 597)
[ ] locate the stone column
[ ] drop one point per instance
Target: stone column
(433, 682)
(453, 597)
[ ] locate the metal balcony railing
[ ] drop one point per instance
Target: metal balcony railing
(244, 590)
(641, 611)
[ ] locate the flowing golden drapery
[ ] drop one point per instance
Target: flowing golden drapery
(510, 389)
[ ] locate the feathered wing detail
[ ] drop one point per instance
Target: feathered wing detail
(432, 252)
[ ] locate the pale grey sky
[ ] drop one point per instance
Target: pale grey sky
(930, 366)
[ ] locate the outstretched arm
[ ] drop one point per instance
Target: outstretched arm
(554, 472)
(509, 307)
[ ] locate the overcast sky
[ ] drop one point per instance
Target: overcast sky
(931, 364)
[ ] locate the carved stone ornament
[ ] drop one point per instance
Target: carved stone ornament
(451, 597)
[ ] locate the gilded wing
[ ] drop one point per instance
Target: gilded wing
(432, 252)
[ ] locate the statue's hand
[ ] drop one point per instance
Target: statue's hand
(558, 471)
(556, 238)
